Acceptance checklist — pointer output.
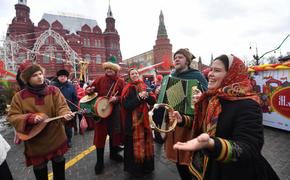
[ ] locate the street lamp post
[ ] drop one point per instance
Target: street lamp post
(257, 58)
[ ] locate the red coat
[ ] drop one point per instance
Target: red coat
(80, 91)
(112, 124)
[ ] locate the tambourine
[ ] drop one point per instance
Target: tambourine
(169, 127)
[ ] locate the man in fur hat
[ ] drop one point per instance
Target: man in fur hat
(69, 92)
(182, 59)
(30, 107)
(110, 85)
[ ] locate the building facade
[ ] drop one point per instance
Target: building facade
(64, 42)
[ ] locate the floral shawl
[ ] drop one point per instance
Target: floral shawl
(142, 133)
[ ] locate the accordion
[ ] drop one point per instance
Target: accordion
(178, 94)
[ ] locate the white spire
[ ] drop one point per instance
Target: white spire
(23, 2)
(109, 13)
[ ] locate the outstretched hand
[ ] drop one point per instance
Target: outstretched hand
(201, 142)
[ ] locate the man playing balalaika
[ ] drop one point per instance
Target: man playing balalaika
(108, 86)
(183, 71)
(30, 110)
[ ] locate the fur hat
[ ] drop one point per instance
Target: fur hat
(29, 71)
(24, 65)
(185, 52)
(62, 72)
(111, 64)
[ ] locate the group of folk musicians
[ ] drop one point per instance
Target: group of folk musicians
(211, 142)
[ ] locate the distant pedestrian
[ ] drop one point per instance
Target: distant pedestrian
(69, 92)
(80, 93)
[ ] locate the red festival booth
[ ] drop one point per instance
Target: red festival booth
(270, 81)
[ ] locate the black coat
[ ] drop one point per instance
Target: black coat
(241, 123)
(69, 92)
(130, 103)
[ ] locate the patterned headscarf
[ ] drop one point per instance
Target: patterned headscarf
(235, 86)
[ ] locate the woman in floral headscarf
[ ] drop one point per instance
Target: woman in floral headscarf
(138, 140)
(228, 127)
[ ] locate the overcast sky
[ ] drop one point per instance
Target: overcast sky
(204, 26)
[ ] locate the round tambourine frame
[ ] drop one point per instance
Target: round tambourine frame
(153, 124)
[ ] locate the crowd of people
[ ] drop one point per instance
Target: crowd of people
(222, 140)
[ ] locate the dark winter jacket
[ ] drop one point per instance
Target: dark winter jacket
(69, 92)
(240, 123)
(192, 74)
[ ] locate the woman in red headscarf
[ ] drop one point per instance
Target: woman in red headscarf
(228, 127)
(138, 140)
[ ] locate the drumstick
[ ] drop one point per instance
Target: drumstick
(116, 93)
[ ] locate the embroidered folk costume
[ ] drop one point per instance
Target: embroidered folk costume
(138, 141)
(110, 86)
(51, 142)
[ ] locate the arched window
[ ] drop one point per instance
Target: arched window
(88, 42)
(87, 57)
(46, 41)
(98, 59)
(99, 43)
(85, 42)
(72, 57)
(46, 58)
(58, 58)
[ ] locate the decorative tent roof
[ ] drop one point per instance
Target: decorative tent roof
(265, 67)
(73, 24)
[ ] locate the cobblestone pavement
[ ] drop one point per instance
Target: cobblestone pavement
(276, 150)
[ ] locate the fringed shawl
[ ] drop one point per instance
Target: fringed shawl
(142, 133)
